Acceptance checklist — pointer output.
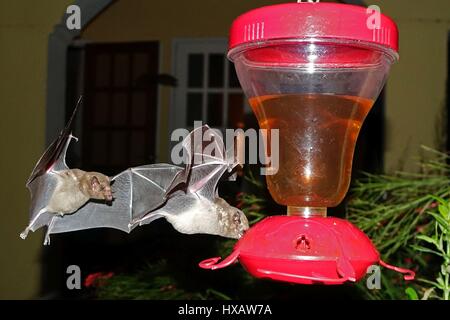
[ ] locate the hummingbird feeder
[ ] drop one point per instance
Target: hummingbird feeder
(313, 71)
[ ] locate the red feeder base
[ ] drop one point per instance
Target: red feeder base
(305, 250)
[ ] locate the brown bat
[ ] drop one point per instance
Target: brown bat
(74, 187)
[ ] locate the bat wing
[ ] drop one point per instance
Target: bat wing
(55, 155)
(42, 182)
(136, 192)
(189, 151)
(206, 150)
(195, 210)
(151, 185)
(211, 161)
(210, 164)
(41, 189)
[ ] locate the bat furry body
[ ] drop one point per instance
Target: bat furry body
(200, 209)
(74, 187)
(201, 215)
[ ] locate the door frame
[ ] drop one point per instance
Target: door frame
(58, 42)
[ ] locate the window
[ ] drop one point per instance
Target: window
(208, 89)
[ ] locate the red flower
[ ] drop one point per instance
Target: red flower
(240, 194)
(421, 228)
(97, 279)
(422, 209)
(169, 287)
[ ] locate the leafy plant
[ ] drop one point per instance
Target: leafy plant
(406, 215)
(151, 282)
(389, 208)
(403, 214)
(438, 244)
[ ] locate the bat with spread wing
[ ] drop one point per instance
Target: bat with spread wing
(198, 208)
(66, 199)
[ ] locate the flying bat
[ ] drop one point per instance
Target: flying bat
(65, 199)
(199, 209)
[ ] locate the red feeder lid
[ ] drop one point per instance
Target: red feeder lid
(313, 21)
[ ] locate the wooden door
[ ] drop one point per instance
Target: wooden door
(120, 107)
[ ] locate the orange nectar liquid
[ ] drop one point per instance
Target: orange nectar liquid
(318, 134)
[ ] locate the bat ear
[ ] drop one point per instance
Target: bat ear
(95, 184)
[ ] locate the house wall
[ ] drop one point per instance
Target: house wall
(24, 30)
(416, 91)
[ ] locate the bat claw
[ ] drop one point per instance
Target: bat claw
(24, 234)
(132, 224)
(47, 241)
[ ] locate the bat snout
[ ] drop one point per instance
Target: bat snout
(108, 195)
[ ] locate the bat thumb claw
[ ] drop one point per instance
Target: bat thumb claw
(133, 224)
(24, 233)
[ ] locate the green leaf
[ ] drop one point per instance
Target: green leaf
(439, 199)
(432, 283)
(426, 250)
(427, 294)
(442, 222)
(444, 211)
(218, 294)
(412, 294)
(441, 284)
(441, 242)
(427, 239)
(443, 270)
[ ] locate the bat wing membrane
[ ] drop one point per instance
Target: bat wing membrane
(54, 156)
